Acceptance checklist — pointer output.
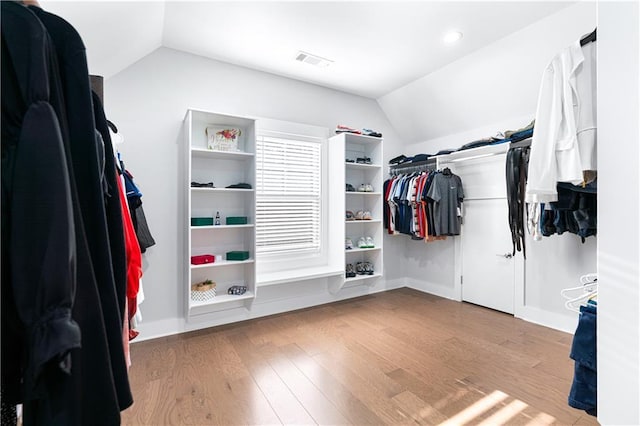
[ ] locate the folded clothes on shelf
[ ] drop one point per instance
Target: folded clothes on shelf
(341, 128)
(202, 185)
(240, 186)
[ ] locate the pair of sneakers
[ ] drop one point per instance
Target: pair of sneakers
(364, 268)
(365, 187)
(363, 160)
(363, 215)
(350, 271)
(366, 242)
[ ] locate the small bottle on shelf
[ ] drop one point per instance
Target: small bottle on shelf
(217, 221)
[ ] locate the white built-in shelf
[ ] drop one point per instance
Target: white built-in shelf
(221, 190)
(360, 250)
(223, 298)
(221, 263)
(360, 166)
(355, 138)
(222, 226)
(362, 277)
(363, 193)
(363, 221)
(229, 155)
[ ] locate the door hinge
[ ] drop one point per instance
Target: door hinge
(460, 279)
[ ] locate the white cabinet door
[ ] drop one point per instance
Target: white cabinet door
(488, 270)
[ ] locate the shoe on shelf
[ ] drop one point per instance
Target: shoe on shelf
(359, 215)
(349, 215)
(349, 160)
(360, 268)
(369, 242)
(363, 160)
(350, 188)
(368, 188)
(362, 243)
(362, 188)
(373, 133)
(350, 272)
(367, 268)
(366, 215)
(348, 244)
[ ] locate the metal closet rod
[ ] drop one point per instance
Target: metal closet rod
(420, 166)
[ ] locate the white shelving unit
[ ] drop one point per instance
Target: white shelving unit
(223, 168)
(359, 146)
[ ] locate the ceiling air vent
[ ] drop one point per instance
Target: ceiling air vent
(308, 58)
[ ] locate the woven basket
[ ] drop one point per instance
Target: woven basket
(201, 292)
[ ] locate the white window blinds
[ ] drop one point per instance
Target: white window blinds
(288, 184)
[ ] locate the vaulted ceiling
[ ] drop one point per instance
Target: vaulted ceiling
(376, 46)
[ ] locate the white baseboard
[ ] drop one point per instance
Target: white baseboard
(566, 323)
(432, 288)
(161, 328)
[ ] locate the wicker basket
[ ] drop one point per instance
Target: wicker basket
(203, 291)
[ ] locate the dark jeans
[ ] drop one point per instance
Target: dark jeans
(583, 394)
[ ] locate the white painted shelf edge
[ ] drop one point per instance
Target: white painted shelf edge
(363, 221)
(222, 226)
(362, 166)
(221, 190)
(363, 193)
(224, 298)
(360, 250)
(362, 277)
(221, 263)
(208, 153)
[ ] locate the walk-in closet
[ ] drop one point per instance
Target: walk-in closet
(314, 212)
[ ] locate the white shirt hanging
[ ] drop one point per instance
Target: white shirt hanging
(564, 139)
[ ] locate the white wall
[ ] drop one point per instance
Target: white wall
(493, 84)
(618, 213)
(494, 89)
(148, 101)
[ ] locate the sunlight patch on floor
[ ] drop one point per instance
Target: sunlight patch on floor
(476, 409)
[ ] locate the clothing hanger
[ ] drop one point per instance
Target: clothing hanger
(446, 171)
(588, 38)
(112, 126)
(589, 288)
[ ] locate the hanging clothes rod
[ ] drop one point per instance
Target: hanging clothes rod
(420, 166)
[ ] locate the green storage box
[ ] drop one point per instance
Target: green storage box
(236, 220)
(201, 221)
(237, 255)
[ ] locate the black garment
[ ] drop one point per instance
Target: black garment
(88, 396)
(517, 163)
(90, 165)
(112, 205)
(38, 230)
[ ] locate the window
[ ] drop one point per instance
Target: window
(289, 194)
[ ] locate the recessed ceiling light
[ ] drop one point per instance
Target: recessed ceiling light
(309, 58)
(452, 37)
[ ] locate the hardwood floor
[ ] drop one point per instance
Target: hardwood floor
(400, 357)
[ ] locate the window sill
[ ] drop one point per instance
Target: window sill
(283, 277)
